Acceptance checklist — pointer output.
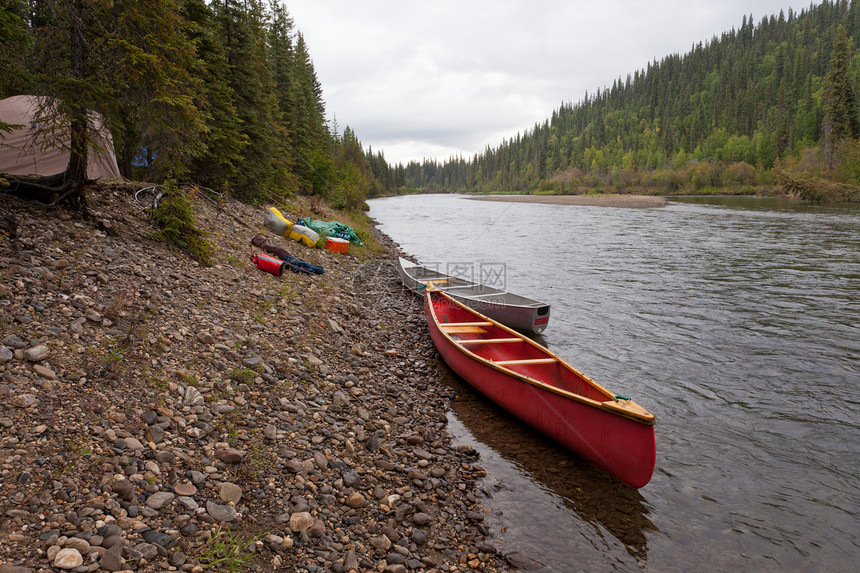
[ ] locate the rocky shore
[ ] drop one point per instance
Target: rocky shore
(157, 415)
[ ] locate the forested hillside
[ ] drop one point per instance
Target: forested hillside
(219, 93)
(766, 104)
(223, 93)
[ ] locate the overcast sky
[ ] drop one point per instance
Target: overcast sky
(439, 78)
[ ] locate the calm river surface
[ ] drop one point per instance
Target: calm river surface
(735, 321)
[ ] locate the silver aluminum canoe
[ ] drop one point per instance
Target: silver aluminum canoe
(512, 310)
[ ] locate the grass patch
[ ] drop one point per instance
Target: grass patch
(242, 375)
(226, 551)
(236, 262)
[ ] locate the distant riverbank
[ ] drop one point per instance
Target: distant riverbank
(629, 201)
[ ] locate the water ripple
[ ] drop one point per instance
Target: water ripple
(737, 322)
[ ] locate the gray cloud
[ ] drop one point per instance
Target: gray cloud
(443, 78)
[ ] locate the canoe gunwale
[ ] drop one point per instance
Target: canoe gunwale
(611, 406)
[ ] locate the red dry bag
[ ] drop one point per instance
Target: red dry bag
(268, 264)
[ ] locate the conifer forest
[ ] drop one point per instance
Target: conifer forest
(224, 93)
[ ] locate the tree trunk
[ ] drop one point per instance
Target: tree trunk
(69, 186)
(76, 172)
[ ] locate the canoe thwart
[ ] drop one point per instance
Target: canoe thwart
(447, 325)
(488, 340)
(526, 361)
(457, 329)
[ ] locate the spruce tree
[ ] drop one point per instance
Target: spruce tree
(125, 60)
(157, 89)
(220, 164)
(841, 103)
(309, 133)
(263, 166)
(15, 40)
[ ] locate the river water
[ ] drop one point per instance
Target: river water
(736, 321)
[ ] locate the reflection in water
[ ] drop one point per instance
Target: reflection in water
(586, 495)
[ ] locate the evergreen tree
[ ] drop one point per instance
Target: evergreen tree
(225, 142)
(309, 134)
(157, 89)
(263, 160)
(281, 56)
(14, 40)
(841, 108)
(127, 61)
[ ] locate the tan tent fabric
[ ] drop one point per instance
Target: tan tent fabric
(20, 154)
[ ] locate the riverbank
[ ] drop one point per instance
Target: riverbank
(628, 201)
(158, 415)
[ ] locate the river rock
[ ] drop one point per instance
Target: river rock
(518, 561)
(320, 460)
(147, 551)
(350, 478)
(82, 545)
(300, 521)
(185, 489)
(44, 372)
(485, 547)
(419, 537)
(381, 543)
(125, 489)
(294, 465)
(9, 568)
(193, 397)
(220, 512)
(159, 499)
(112, 559)
(205, 337)
(350, 562)
(36, 353)
(187, 502)
(316, 530)
(156, 434)
(133, 444)
(24, 400)
(124, 452)
(270, 432)
(355, 500)
(230, 492)
(230, 455)
(68, 558)
(158, 538)
(15, 342)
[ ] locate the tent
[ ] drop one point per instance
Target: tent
(24, 152)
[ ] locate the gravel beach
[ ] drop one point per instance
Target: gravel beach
(156, 415)
(629, 201)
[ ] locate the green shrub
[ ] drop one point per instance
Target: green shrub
(174, 215)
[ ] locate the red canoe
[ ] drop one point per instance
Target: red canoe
(543, 391)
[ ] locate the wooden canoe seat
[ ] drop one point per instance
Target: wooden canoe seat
(490, 340)
(457, 329)
(527, 361)
(465, 327)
